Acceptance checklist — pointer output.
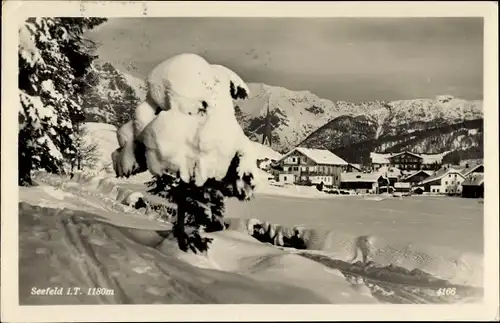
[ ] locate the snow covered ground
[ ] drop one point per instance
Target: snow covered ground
(77, 232)
(73, 234)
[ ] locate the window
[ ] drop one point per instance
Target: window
(449, 175)
(284, 178)
(304, 168)
(446, 190)
(311, 168)
(295, 168)
(437, 190)
(293, 160)
(446, 183)
(433, 190)
(285, 168)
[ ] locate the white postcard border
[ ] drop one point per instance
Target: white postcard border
(16, 11)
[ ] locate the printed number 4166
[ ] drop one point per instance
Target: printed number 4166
(446, 291)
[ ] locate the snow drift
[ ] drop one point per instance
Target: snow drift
(461, 268)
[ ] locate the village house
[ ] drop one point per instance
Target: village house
(416, 177)
(449, 179)
(402, 187)
(473, 186)
(391, 173)
(305, 166)
(363, 182)
(407, 160)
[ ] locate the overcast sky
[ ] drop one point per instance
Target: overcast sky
(353, 59)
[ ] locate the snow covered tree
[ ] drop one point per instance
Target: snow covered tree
(53, 61)
(200, 206)
(112, 100)
(187, 135)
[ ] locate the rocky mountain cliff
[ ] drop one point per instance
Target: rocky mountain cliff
(352, 130)
(420, 126)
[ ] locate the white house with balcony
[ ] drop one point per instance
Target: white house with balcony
(444, 181)
(311, 166)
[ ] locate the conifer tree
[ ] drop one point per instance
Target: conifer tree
(87, 152)
(54, 59)
(200, 206)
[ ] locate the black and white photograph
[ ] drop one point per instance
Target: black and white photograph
(252, 160)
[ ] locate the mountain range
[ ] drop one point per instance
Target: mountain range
(353, 129)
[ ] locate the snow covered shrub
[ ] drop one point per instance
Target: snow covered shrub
(53, 61)
(187, 135)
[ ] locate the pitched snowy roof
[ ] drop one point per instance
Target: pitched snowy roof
(405, 152)
(319, 156)
(467, 171)
(432, 158)
(360, 177)
(389, 171)
(263, 151)
(440, 174)
(474, 180)
(410, 175)
(357, 166)
(383, 158)
(378, 158)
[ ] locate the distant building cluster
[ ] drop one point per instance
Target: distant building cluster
(404, 172)
(407, 160)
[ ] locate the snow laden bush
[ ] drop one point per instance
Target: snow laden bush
(54, 59)
(193, 145)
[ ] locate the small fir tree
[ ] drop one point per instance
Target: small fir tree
(200, 206)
